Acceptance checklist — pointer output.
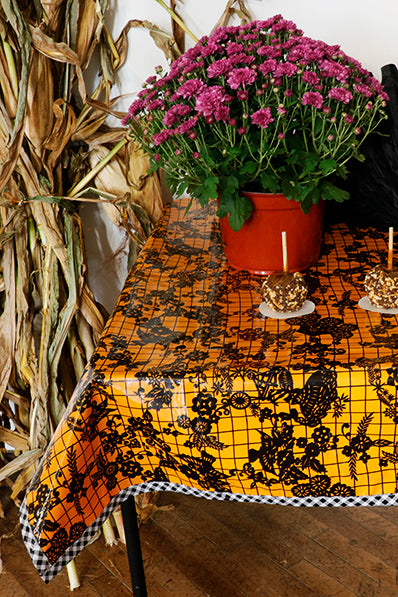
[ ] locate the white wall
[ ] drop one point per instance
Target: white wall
(365, 29)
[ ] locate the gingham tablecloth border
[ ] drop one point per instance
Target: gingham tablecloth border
(47, 570)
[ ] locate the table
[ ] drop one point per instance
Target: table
(191, 389)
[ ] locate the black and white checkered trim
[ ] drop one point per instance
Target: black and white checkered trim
(47, 570)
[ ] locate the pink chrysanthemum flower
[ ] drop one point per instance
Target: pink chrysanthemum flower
(363, 89)
(269, 51)
(285, 68)
(219, 67)
(162, 136)
(262, 117)
(221, 112)
(174, 113)
(241, 77)
(210, 99)
(190, 88)
(340, 94)
(282, 85)
(312, 98)
(234, 48)
(310, 77)
(187, 125)
(268, 66)
(332, 69)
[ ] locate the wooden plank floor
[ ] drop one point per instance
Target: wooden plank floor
(226, 549)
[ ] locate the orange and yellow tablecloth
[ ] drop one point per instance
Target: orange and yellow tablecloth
(192, 389)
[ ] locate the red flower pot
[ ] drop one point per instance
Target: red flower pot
(257, 246)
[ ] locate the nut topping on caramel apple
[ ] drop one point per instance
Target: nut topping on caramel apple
(285, 292)
(381, 286)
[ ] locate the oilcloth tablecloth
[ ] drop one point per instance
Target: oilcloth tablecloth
(192, 389)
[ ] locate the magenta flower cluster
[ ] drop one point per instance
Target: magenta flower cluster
(242, 92)
(234, 59)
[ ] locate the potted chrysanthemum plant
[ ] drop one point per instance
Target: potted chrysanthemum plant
(259, 107)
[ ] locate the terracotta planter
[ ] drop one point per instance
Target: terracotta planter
(257, 246)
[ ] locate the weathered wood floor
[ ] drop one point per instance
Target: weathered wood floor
(218, 549)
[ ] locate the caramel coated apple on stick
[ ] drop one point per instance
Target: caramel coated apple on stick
(283, 291)
(381, 283)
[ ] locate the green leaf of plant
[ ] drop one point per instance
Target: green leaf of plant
(360, 157)
(269, 182)
(315, 195)
(241, 208)
(306, 203)
(311, 163)
(229, 185)
(330, 192)
(327, 166)
(248, 168)
(289, 189)
(209, 190)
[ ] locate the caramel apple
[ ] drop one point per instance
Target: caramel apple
(284, 291)
(381, 285)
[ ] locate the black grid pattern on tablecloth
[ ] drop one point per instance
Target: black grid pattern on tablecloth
(48, 571)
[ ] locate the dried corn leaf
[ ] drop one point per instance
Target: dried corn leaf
(40, 97)
(145, 190)
(88, 128)
(178, 31)
(65, 121)
(89, 29)
(22, 481)
(16, 398)
(7, 85)
(52, 11)
(17, 440)
(111, 177)
(58, 51)
(163, 40)
(17, 22)
(10, 152)
(230, 10)
(111, 137)
(5, 133)
(105, 108)
(7, 317)
(21, 462)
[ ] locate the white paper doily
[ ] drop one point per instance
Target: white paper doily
(365, 303)
(306, 309)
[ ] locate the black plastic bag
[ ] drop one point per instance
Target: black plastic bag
(373, 184)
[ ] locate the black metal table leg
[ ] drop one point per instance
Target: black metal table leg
(133, 545)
